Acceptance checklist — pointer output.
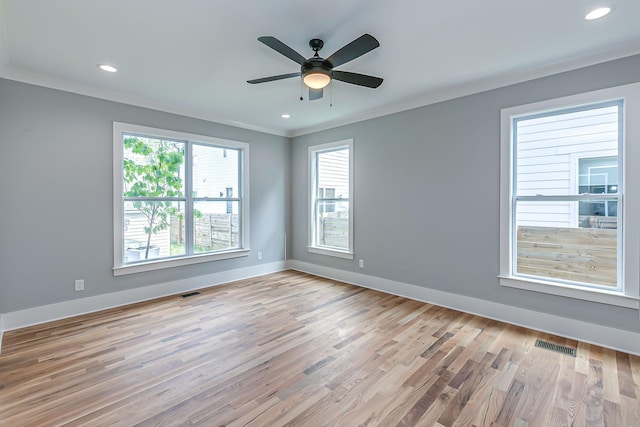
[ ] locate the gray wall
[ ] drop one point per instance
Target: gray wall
(56, 196)
(426, 196)
(430, 175)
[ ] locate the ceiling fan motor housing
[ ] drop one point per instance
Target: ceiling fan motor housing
(316, 65)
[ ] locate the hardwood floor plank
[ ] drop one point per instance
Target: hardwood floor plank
(294, 349)
(536, 401)
(466, 391)
(582, 358)
(430, 396)
(612, 414)
(635, 371)
(490, 408)
(576, 398)
(630, 411)
(431, 416)
(625, 376)
(562, 390)
(610, 377)
(509, 403)
(477, 400)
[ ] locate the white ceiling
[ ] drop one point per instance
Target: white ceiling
(193, 57)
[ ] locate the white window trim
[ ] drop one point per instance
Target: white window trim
(118, 222)
(630, 295)
(312, 247)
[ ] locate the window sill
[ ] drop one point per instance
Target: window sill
(594, 295)
(330, 252)
(177, 262)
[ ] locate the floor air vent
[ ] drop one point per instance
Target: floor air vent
(556, 347)
(190, 294)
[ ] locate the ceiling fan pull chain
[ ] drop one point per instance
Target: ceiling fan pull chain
(331, 95)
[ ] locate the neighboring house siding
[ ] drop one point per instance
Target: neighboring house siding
(549, 150)
(333, 172)
(214, 171)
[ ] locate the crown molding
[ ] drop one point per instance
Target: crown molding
(37, 79)
(478, 86)
(448, 93)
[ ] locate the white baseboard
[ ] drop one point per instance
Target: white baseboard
(604, 336)
(47, 313)
(616, 339)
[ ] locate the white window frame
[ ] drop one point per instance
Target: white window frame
(313, 247)
(119, 268)
(629, 294)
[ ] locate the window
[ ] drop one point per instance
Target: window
(564, 226)
(598, 175)
(174, 200)
(330, 182)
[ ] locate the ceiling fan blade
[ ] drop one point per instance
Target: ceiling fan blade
(315, 94)
(272, 78)
(356, 48)
(357, 79)
(282, 48)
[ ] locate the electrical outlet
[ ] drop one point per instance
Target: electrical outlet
(259, 255)
(361, 263)
(79, 285)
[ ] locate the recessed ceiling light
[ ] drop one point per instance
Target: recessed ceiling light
(597, 13)
(285, 116)
(108, 68)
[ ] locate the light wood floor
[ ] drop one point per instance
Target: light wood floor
(297, 350)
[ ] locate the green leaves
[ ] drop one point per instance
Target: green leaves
(152, 169)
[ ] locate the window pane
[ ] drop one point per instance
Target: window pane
(215, 171)
(547, 145)
(548, 248)
(598, 175)
(591, 209)
(153, 230)
(333, 224)
(333, 173)
(214, 228)
(153, 167)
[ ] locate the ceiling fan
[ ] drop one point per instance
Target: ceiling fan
(317, 72)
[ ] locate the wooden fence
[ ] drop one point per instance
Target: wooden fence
(212, 231)
(587, 255)
(334, 232)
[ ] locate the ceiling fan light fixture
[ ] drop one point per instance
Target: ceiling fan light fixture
(316, 79)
